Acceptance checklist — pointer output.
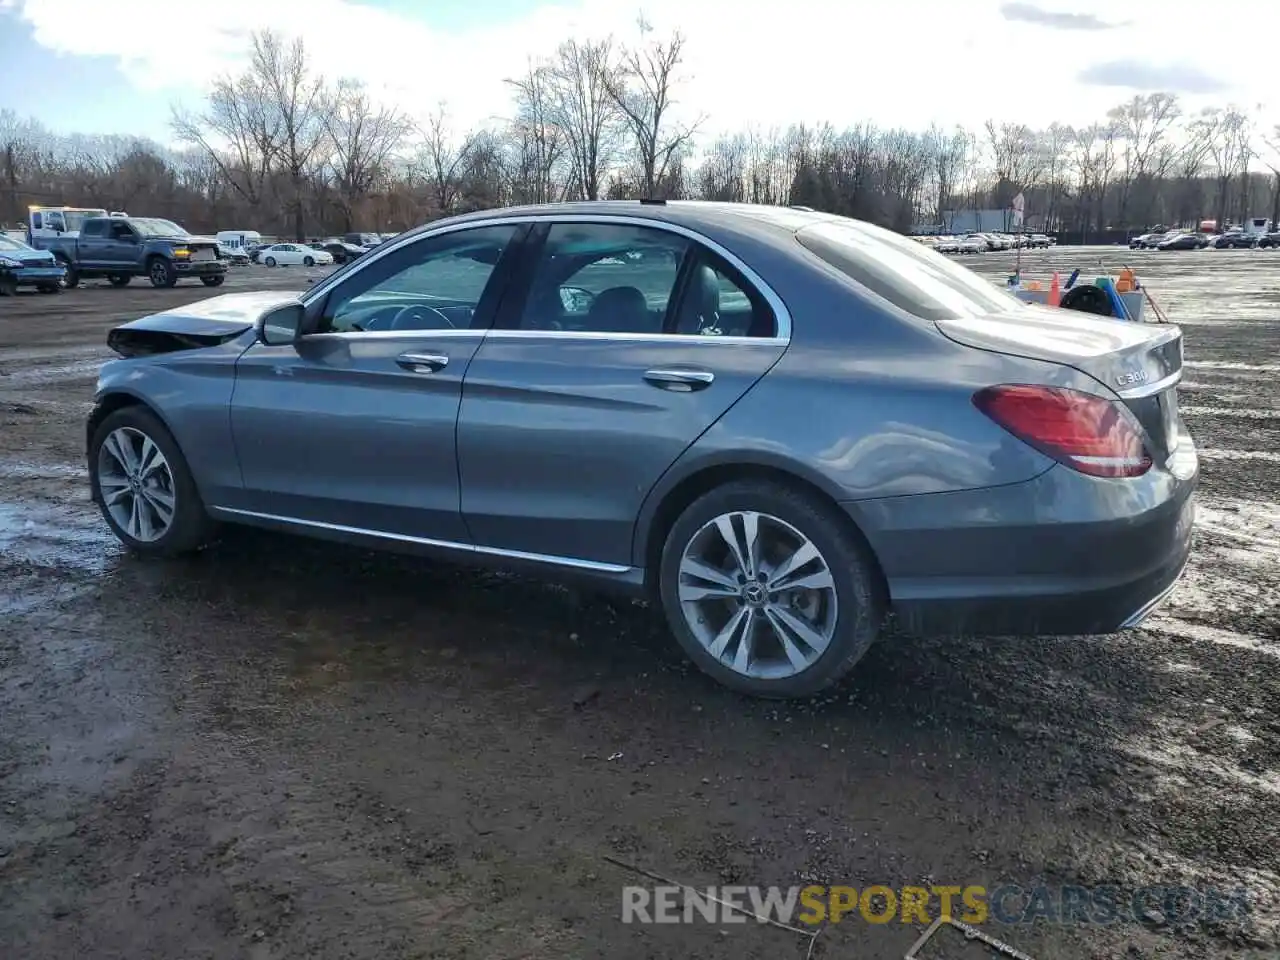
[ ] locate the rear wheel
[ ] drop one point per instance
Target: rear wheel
(161, 273)
(119, 279)
(213, 281)
(50, 288)
(768, 591)
(270, 261)
(143, 485)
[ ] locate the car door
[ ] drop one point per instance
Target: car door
(610, 364)
(354, 425)
(120, 250)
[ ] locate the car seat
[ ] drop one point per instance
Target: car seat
(620, 310)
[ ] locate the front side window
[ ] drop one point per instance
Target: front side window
(910, 276)
(604, 278)
(436, 283)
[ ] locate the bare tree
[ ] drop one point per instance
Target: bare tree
(643, 88)
(580, 79)
(296, 99)
(362, 137)
(440, 158)
(238, 130)
(950, 155)
(539, 134)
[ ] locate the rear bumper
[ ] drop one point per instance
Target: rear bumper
(1061, 554)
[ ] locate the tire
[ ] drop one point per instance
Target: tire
(785, 517)
(308, 261)
(71, 279)
(161, 273)
(119, 279)
(190, 527)
(8, 288)
(213, 281)
(50, 288)
(270, 261)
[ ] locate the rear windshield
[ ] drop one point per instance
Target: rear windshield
(907, 274)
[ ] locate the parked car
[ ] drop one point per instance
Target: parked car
(947, 245)
(340, 250)
(121, 248)
(1235, 240)
(1039, 240)
(1268, 241)
(366, 240)
(294, 255)
(236, 256)
(623, 392)
(974, 243)
(22, 265)
(1183, 241)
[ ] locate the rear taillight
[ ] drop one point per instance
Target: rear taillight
(1091, 434)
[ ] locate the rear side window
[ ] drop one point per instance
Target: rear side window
(94, 228)
(907, 274)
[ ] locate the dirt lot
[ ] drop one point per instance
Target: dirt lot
(284, 749)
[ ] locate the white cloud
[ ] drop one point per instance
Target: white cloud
(750, 62)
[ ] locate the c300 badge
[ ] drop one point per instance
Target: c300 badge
(1132, 377)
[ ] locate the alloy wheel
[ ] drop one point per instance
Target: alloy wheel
(758, 595)
(136, 484)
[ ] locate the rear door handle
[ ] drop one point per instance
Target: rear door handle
(680, 381)
(423, 362)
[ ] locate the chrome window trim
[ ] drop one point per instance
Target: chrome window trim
(782, 316)
(573, 562)
(453, 333)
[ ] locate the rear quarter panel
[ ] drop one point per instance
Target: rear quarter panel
(867, 402)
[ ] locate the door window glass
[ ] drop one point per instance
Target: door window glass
(436, 283)
(604, 278)
(717, 301)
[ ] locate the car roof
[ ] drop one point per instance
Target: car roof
(761, 220)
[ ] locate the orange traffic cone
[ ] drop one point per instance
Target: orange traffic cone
(1055, 289)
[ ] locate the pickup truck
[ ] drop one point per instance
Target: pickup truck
(121, 248)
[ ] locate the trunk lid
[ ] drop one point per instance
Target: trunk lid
(1140, 362)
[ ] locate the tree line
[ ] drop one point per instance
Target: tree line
(286, 150)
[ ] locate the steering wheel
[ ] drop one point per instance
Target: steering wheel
(419, 315)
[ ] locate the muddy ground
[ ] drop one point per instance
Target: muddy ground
(287, 749)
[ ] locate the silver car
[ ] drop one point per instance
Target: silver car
(780, 425)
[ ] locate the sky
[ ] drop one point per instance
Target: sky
(115, 66)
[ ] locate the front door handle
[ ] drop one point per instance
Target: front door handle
(680, 381)
(423, 362)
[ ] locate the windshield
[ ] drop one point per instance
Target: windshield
(907, 274)
(8, 243)
(151, 227)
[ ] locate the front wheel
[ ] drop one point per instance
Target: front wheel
(215, 281)
(162, 273)
(768, 590)
(143, 486)
(308, 261)
(50, 288)
(70, 276)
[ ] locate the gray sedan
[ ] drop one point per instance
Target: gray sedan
(780, 425)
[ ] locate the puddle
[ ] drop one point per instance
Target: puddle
(1205, 634)
(1220, 454)
(1228, 365)
(1168, 753)
(27, 470)
(1195, 409)
(84, 370)
(56, 536)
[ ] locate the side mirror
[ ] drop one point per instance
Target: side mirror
(280, 326)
